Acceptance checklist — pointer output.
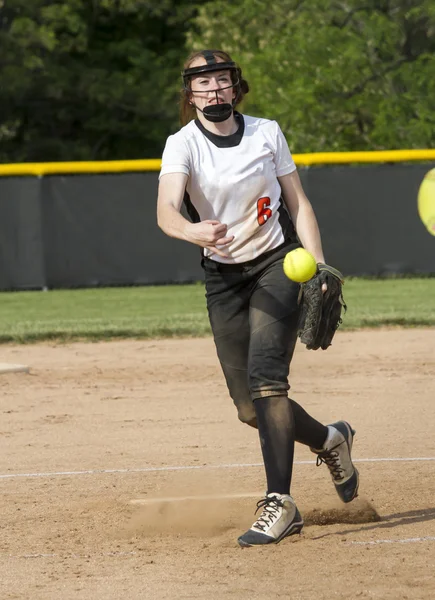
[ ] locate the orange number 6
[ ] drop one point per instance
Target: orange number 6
(263, 211)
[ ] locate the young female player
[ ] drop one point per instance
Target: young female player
(243, 194)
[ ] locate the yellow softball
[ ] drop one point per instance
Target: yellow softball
(299, 265)
(426, 201)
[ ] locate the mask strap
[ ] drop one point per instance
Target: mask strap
(209, 57)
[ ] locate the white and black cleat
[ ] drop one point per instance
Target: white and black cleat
(279, 519)
(336, 454)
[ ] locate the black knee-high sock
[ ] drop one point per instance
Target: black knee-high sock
(277, 436)
(308, 431)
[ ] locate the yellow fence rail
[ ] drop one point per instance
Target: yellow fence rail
(128, 166)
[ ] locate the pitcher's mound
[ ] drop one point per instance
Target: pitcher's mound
(217, 513)
(193, 515)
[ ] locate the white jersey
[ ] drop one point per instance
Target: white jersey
(233, 179)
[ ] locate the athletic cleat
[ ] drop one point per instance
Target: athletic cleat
(279, 518)
(336, 454)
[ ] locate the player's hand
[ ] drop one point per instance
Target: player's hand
(209, 234)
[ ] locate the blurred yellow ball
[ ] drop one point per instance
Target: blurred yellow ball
(299, 265)
(426, 201)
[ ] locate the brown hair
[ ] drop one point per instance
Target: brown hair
(187, 111)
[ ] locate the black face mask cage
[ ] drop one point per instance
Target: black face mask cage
(232, 85)
(208, 69)
(218, 112)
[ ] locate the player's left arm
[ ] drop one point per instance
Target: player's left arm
(302, 214)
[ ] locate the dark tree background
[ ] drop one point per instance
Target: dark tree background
(89, 79)
(99, 79)
(337, 75)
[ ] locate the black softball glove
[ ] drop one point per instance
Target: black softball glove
(321, 312)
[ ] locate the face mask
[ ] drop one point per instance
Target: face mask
(216, 113)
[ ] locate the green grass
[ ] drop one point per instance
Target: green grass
(389, 302)
(175, 311)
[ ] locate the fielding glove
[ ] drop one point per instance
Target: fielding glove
(321, 311)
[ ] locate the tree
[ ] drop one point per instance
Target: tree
(337, 75)
(89, 79)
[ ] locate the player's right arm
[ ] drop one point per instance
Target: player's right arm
(207, 234)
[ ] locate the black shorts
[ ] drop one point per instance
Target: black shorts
(253, 310)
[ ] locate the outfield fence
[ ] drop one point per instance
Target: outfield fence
(91, 224)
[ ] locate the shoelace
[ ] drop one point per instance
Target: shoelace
(270, 508)
(332, 461)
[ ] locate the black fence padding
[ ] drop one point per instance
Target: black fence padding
(21, 239)
(101, 230)
(369, 221)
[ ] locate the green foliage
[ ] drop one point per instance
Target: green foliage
(337, 76)
(99, 79)
(89, 79)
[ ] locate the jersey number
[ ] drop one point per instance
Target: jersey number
(263, 211)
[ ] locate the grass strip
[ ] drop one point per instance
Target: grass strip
(180, 310)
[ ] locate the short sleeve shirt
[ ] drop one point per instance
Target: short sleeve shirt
(233, 179)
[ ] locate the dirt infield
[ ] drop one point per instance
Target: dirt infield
(95, 429)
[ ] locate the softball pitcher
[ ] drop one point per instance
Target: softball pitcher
(239, 183)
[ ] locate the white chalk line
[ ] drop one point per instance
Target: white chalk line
(67, 555)
(197, 467)
(427, 538)
(207, 498)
